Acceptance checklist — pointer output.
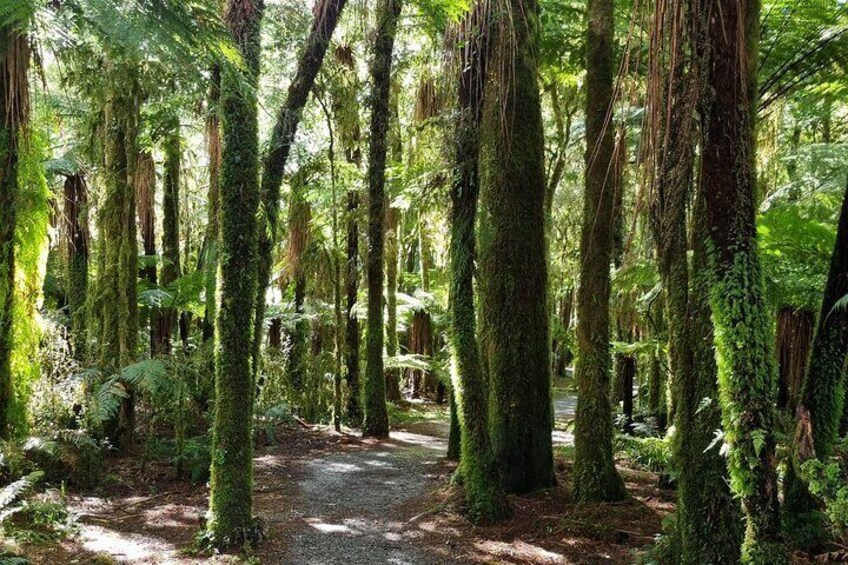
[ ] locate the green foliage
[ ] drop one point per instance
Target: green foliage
(829, 482)
(33, 205)
(649, 453)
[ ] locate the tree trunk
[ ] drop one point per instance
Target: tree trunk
(513, 255)
(14, 110)
(300, 215)
(353, 410)
(744, 349)
(483, 493)
(376, 421)
(823, 392)
(166, 317)
(77, 236)
(231, 519)
(210, 263)
(707, 523)
(794, 340)
(117, 301)
(595, 475)
(392, 375)
(327, 13)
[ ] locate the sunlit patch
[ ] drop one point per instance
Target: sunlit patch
(562, 438)
(336, 467)
(383, 464)
(392, 536)
(331, 528)
(522, 551)
(129, 547)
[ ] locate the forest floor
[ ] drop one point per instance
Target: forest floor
(328, 498)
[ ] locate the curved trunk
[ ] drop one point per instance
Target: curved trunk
(327, 13)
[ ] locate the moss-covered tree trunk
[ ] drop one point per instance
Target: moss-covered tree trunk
(744, 346)
(513, 280)
(823, 391)
(76, 243)
(117, 302)
(231, 484)
(595, 476)
(483, 492)
(376, 421)
(165, 318)
(707, 520)
(352, 338)
(327, 13)
(298, 225)
(14, 92)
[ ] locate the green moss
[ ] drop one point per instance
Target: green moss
(595, 476)
(231, 519)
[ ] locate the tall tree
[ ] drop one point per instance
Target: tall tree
(595, 476)
(231, 484)
(376, 421)
(171, 218)
(392, 374)
(744, 346)
(145, 194)
(483, 493)
(327, 14)
(707, 520)
(117, 302)
(14, 108)
(513, 255)
(213, 148)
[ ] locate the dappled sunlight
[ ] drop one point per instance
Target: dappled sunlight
(123, 546)
(325, 528)
(561, 437)
(522, 552)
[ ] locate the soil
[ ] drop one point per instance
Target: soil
(328, 498)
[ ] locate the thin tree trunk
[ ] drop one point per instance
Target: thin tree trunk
(166, 317)
(77, 236)
(327, 13)
(376, 421)
(210, 263)
(595, 475)
(231, 521)
(392, 375)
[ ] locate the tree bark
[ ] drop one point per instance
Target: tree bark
(744, 348)
(231, 519)
(513, 256)
(376, 421)
(76, 241)
(595, 475)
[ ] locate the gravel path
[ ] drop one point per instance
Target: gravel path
(351, 504)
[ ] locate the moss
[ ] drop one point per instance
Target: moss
(231, 519)
(747, 373)
(595, 476)
(376, 422)
(76, 204)
(513, 279)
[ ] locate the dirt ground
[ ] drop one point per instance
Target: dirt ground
(330, 499)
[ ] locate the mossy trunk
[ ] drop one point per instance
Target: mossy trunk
(145, 193)
(210, 262)
(392, 375)
(823, 392)
(231, 483)
(166, 318)
(707, 523)
(744, 347)
(327, 13)
(352, 338)
(14, 91)
(454, 432)
(595, 475)
(376, 421)
(76, 242)
(117, 302)
(483, 493)
(513, 284)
